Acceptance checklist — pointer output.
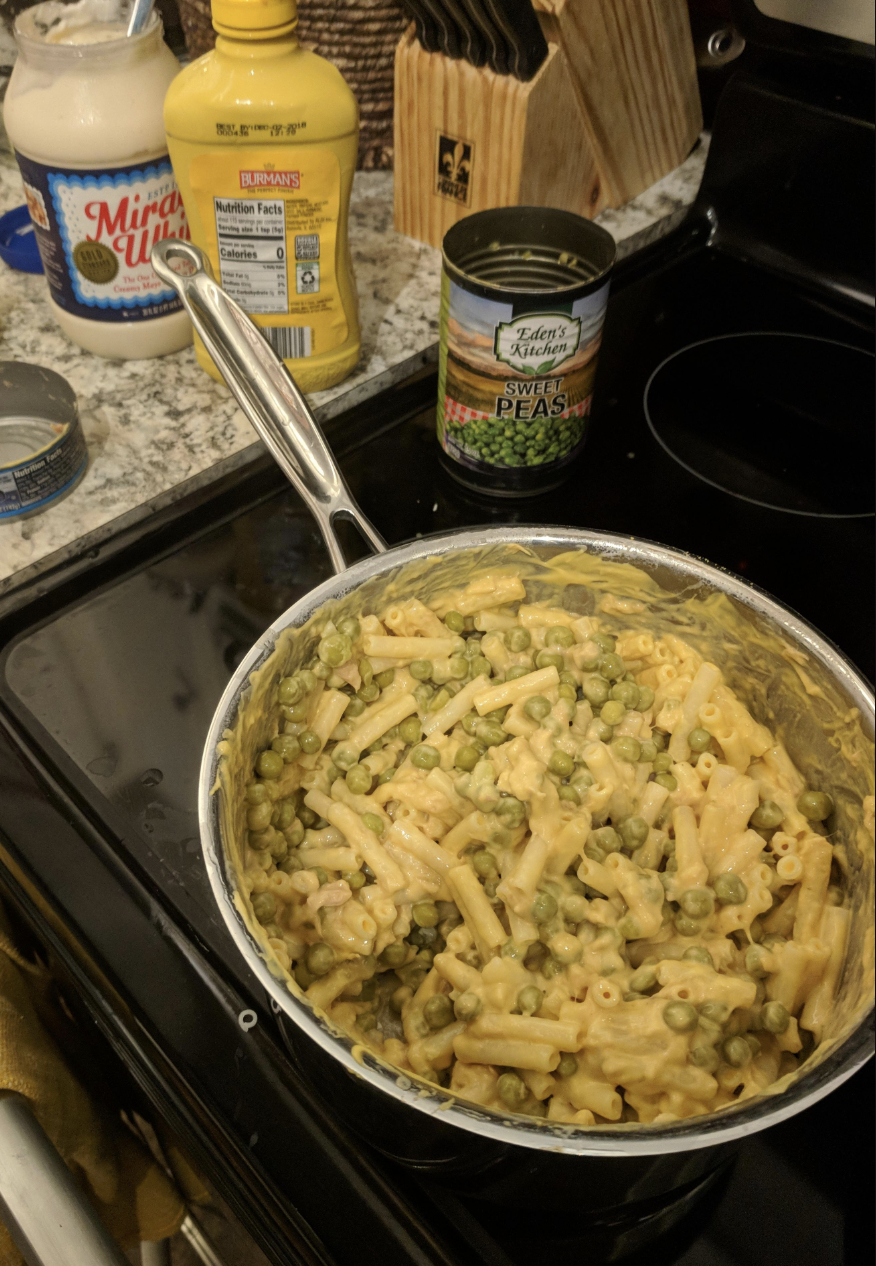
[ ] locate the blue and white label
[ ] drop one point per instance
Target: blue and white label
(95, 231)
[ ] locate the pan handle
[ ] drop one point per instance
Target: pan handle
(266, 391)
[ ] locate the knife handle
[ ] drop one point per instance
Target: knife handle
(427, 32)
(519, 25)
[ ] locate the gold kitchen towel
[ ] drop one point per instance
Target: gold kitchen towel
(130, 1192)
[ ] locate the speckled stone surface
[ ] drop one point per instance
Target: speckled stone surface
(158, 429)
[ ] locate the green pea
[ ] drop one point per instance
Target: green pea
(491, 734)
(454, 621)
(303, 977)
(258, 816)
(321, 671)
(264, 906)
(736, 1052)
(613, 712)
(567, 1066)
(410, 730)
(384, 679)
(321, 874)
(458, 666)
(647, 751)
(768, 815)
(373, 823)
(438, 1011)
(306, 816)
(485, 864)
(469, 722)
(715, 1012)
(633, 831)
(603, 640)
(510, 949)
(440, 699)
(568, 692)
(697, 902)
(358, 779)
(646, 698)
(566, 792)
(256, 793)
(568, 679)
(667, 781)
(511, 812)
(394, 954)
(344, 757)
(549, 659)
(269, 764)
(686, 926)
(626, 692)
(481, 667)
(290, 863)
(559, 635)
(643, 980)
(424, 695)
(517, 639)
(698, 954)
(626, 748)
(698, 740)
(529, 999)
(629, 928)
(561, 764)
(354, 708)
(425, 914)
(681, 1017)
(290, 690)
(355, 879)
(544, 907)
(605, 838)
(335, 650)
(368, 693)
(467, 1006)
(596, 855)
(611, 666)
(425, 756)
(582, 780)
(350, 627)
(512, 1091)
(662, 763)
(815, 805)
(537, 708)
(754, 962)
(730, 890)
(705, 1057)
(596, 690)
(774, 1017)
(310, 742)
(320, 958)
(283, 815)
(466, 757)
(421, 669)
(518, 671)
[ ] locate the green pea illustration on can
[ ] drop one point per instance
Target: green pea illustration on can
(523, 298)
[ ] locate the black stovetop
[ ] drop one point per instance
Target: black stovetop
(111, 666)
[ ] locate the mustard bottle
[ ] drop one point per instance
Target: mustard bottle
(263, 137)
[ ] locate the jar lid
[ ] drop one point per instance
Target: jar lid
(260, 18)
(18, 245)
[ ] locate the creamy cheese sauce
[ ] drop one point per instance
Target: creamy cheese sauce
(556, 854)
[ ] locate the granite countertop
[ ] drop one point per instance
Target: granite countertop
(158, 429)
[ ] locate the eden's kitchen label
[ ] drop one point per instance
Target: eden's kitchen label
(95, 231)
(270, 217)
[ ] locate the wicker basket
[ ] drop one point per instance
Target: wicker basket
(358, 36)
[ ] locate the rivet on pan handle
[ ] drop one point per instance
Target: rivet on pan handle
(266, 391)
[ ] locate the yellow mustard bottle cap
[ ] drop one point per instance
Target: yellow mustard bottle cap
(255, 18)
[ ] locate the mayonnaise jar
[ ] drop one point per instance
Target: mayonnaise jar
(83, 111)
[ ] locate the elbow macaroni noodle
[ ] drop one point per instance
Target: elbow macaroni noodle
(549, 862)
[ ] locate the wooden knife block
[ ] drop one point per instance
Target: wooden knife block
(614, 107)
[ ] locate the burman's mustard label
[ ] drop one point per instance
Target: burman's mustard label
(515, 379)
(270, 218)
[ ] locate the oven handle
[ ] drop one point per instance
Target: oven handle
(45, 1212)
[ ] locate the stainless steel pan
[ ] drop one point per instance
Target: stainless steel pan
(409, 1119)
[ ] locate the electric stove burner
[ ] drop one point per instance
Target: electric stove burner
(782, 420)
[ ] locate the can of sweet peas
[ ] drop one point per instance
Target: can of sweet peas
(523, 298)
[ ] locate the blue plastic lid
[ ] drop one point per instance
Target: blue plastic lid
(18, 245)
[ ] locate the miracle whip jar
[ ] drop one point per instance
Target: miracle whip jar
(83, 111)
(523, 298)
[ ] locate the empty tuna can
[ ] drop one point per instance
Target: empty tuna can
(43, 454)
(523, 298)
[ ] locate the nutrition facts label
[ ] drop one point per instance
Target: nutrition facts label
(251, 236)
